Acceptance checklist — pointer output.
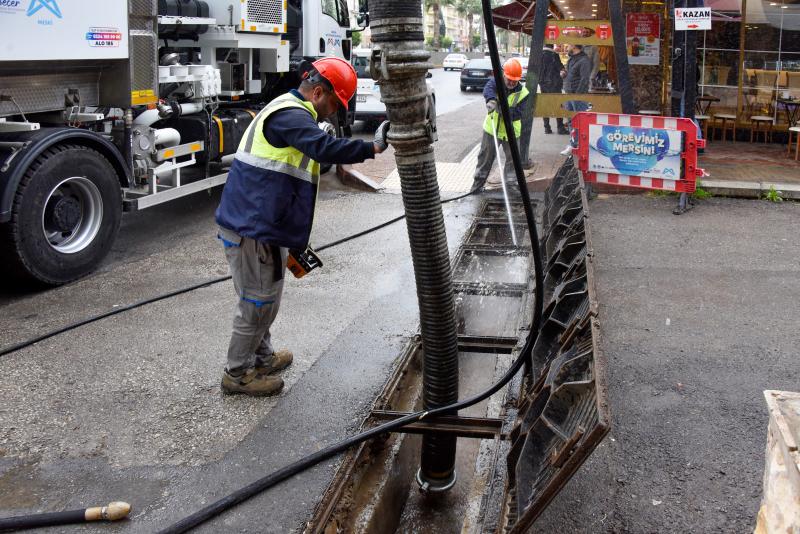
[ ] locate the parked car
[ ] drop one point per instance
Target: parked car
(454, 61)
(369, 107)
(475, 74)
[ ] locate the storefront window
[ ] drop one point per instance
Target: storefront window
(771, 67)
(718, 74)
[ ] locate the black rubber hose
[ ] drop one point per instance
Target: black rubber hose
(241, 495)
(175, 293)
(73, 326)
(284, 473)
(51, 519)
(502, 98)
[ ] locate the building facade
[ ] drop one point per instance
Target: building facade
(456, 27)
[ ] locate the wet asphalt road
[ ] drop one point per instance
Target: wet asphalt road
(698, 315)
(129, 408)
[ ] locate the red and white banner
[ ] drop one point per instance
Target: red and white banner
(638, 150)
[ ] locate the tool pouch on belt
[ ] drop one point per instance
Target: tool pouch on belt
(301, 263)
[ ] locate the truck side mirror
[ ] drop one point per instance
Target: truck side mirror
(362, 19)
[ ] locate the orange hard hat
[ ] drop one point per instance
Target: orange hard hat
(341, 75)
(513, 70)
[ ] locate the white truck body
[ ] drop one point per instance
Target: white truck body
(153, 95)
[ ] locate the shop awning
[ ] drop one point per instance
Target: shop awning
(725, 10)
(517, 16)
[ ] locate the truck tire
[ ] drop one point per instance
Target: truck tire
(65, 216)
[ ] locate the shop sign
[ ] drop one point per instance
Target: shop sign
(643, 38)
(692, 18)
(626, 150)
(584, 32)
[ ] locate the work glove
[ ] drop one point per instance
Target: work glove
(380, 137)
(491, 105)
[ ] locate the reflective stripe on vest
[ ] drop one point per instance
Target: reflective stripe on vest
(255, 150)
(493, 119)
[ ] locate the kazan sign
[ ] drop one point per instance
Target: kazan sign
(692, 18)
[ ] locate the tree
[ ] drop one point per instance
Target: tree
(468, 9)
(436, 6)
(356, 39)
(447, 41)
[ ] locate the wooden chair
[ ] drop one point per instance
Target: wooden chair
(728, 122)
(794, 132)
(703, 121)
(761, 124)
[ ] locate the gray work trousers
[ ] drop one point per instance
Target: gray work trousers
(259, 284)
(486, 157)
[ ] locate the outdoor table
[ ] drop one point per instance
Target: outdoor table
(792, 108)
(703, 103)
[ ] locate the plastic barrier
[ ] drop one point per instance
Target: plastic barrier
(637, 150)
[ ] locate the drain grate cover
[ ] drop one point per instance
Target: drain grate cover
(563, 414)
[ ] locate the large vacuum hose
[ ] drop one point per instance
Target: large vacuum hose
(401, 68)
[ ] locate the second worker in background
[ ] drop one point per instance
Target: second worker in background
(493, 125)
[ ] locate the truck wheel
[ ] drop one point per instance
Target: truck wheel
(65, 216)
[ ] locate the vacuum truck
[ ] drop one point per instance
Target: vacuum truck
(118, 105)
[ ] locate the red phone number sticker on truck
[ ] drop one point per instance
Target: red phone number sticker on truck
(104, 37)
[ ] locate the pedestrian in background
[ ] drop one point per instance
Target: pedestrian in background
(550, 81)
(267, 209)
(576, 76)
(517, 93)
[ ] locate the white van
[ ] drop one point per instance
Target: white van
(369, 107)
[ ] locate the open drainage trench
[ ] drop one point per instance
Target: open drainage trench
(517, 449)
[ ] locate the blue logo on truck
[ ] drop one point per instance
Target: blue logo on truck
(50, 5)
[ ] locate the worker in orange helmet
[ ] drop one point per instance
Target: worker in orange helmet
(494, 125)
(267, 210)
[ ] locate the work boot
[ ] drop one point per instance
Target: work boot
(562, 131)
(548, 130)
(277, 361)
(251, 383)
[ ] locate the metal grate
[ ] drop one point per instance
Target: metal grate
(564, 412)
(45, 92)
(142, 14)
(143, 53)
(265, 11)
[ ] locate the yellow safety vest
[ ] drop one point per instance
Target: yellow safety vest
(493, 119)
(271, 192)
(254, 149)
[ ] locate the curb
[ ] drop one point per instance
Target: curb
(355, 178)
(726, 188)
